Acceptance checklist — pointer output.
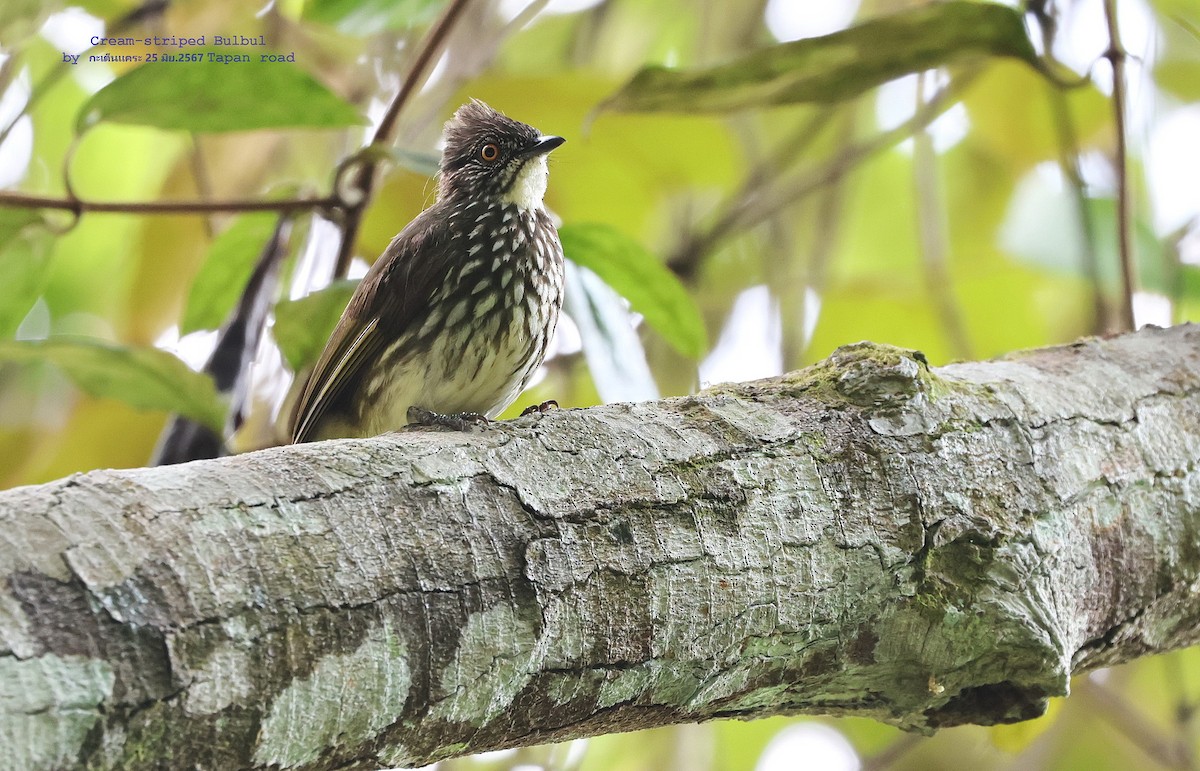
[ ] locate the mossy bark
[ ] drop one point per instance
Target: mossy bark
(869, 536)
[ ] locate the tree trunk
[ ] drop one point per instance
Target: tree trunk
(868, 536)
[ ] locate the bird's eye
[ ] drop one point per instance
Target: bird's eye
(489, 152)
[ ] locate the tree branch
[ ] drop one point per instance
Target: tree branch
(753, 206)
(868, 536)
(365, 176)
(79, 205)
(1116, 56)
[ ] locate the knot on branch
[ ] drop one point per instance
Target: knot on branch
(873, 375)
(895, 385)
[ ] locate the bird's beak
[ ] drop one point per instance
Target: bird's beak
(543, 146)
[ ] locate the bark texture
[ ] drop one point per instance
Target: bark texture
(867, 536)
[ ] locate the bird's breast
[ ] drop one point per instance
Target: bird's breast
(488, 326)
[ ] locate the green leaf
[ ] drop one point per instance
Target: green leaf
(211, 96)
(146, 378)
(226, 269)
(302, 327)
(640, 278)
(1189, 282)
(836, 67)
(13, 221)
(614, 353)
(24, 266)
(1177, 56)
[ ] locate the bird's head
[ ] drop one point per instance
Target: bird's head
(492, 157)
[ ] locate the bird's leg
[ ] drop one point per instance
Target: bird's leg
(537, 409)
(458, 421)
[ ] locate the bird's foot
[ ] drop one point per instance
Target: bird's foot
(458, 421)
(538, 409)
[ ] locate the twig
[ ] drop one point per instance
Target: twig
(899, 747)
(1185, 708)
(768, 201)
(138, 15)
(794, 300)
(365, 178)
(931, 228)
(687, 258)
(1068, 162)
(937, 104)
(1116, 56)
(1133, 724)
(79, 205)
(526, 15)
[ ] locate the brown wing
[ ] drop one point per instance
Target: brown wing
(392, 294)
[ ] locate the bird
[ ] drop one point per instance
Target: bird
(455, 316)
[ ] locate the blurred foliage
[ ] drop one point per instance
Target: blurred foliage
(987, 225)
(142, 377)
(226, 269)
(650, 288)
(836, 67)
(302, 326)
(189, 90)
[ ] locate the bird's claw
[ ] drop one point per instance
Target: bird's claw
(537, 409)
(458, 421)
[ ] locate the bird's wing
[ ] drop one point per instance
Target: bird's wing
(388, 298)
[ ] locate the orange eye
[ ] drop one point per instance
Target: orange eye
(489, 152)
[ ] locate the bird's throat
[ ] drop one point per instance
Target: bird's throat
(529, 187)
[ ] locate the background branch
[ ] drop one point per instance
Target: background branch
(1116, 56)
(365, 178)
(751, 207)
(81, 205)
(932, 231)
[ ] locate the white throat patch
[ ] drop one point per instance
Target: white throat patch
(529, 187)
